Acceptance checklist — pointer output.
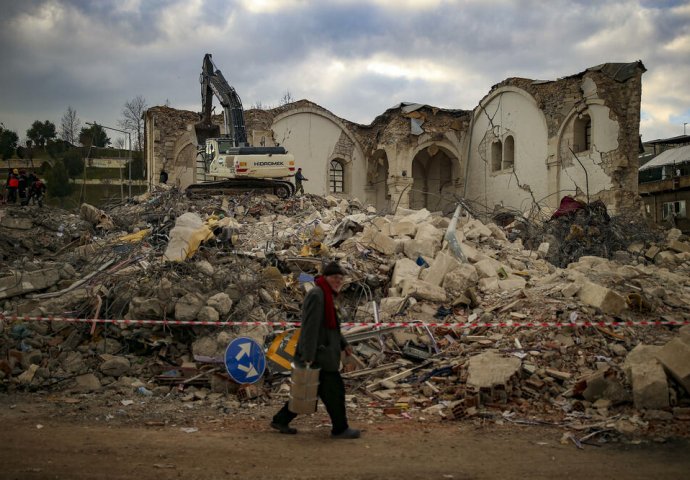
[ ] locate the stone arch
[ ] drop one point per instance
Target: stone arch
(333, 140)
(434, 168)
(322, 112)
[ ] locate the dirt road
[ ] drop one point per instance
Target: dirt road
(41, 441)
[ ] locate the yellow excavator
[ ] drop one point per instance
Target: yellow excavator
(230, 157)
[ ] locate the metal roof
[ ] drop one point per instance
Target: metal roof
(669, 157)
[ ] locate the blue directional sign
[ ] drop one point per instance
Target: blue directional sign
(245, 360)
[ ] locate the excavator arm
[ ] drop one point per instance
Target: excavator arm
(213, 83)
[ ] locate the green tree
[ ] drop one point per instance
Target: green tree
(55, 148)
(8, 143)
(41, 132)
(93, 136)
(73, 163)
(58, 182)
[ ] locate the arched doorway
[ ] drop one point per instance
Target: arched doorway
(432, 174)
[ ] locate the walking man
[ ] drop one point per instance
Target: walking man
(299, 178)
(319, 346)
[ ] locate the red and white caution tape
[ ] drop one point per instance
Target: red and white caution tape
(459, 324)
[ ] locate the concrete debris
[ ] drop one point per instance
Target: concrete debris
(252, 258)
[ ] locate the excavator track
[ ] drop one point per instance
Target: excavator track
(280, 188)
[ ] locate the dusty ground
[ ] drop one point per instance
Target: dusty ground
(54, 437)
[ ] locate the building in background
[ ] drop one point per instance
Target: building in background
(527, 144)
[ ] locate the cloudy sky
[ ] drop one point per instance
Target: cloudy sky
(353, 57)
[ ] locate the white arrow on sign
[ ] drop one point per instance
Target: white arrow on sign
(250, 370)
(245, 348)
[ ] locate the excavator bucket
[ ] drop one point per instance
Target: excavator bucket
(205, 131)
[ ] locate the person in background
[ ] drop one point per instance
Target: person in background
(37, 191)
(12, 186)
(299, 178)
(23, 187)
(163, 177)
(319, 346)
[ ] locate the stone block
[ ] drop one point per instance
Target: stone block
(390, 305)
(652, 252)
(114, 366)
(142, 308)
(422, 290)
(472, 254)
(543, 249)
(415, 248)
(678, 246)
(87, 383)
(208, 314)
(382, 224)
(418, 216)
(665, 258)
(602, 298)
(647, 377)
(404, 269)
(222, 303)
(371, 238)
(476, 230)
(497, 232)
(487, 268)
(488, 284)
(512, 283)
(188, 306)
(461, 278)
(443, 264)
(427, 232)
(403, 227)
(675, 357)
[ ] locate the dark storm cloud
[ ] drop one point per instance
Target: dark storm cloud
(96, 55)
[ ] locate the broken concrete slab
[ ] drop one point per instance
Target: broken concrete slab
(24, 282)
(490, 370)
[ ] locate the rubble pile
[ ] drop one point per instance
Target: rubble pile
(251, 258)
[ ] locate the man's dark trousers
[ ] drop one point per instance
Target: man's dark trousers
(332, 394)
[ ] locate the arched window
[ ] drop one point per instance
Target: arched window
(582, 134)
(336, 177)
(509, 153)
(496, 155)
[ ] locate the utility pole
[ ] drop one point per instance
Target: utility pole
(684, 124)
(129, 152)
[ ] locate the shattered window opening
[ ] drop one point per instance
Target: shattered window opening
(337, 177)
(582, 134)
(675, 209)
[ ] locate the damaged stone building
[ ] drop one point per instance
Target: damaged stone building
(526, 145)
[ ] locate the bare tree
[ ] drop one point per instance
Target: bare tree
(69, 126)
(133, 118)
(287, 98)
(120, 143)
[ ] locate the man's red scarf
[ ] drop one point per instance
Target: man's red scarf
(328, 298)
